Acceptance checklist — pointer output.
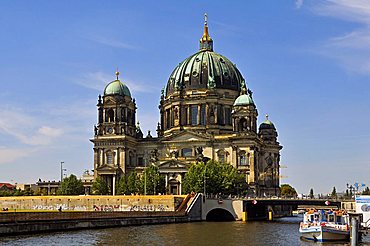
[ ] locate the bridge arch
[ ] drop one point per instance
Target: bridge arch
(219, 214)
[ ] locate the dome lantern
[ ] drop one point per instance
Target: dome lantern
(116, 87)
(245, 98)
(206, 42)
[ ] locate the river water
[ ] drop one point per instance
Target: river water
(280, 232)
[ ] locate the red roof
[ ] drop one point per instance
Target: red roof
(10, 186)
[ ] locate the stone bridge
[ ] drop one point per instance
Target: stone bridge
(222, 209)
(262, 208)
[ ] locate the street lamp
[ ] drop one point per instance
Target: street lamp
(61, 171)
(204, 182)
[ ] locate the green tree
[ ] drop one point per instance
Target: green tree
(133, 183)
(287, 190)
(71, 186)
(194, 178)
(99, 187)
(312, 196)
(218, 177)
(366, 191)
(334, 193)
(155, 183)
(122, 186)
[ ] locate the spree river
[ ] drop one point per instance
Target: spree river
(279, 232)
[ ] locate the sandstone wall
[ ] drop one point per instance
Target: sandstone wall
(91, 203)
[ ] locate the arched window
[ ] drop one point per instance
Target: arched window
(109, 117)
(243, 124)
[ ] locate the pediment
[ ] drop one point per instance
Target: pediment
(107, 168)
(173, 164)
(186, 136)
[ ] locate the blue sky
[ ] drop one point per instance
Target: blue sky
(307, 62)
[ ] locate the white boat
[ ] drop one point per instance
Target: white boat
(325, 226)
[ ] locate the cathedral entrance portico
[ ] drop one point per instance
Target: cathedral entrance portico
(174, 172)
(108, 175)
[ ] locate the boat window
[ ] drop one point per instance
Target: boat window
(331, 218)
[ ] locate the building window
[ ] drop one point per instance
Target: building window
(140, 161)
(203, 115)
(194, 115)
(243, 158)
(131, 159)
(110, 158)
(109, 117)
(221, 156)
(187, 152)
(168, 119)
(183, 115)
(220, 115)
(227, 116)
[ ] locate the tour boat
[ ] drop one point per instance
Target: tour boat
(325, 226)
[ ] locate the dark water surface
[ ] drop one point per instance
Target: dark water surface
(282, 232)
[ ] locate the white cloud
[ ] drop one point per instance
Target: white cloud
(50, 132)
(298, 4)
(351, 50)
(13, 154)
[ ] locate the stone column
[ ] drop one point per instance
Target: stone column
(102, 157)
(199, 113)
(252, 169)
(234, 156)
(216, 113)
(114, 185)
(96, 158)
(123, 159)
(207, 114)
(166, 181)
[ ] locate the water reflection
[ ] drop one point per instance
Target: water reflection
(282, 232)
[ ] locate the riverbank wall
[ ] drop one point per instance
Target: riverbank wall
(12, 223)
(24, 215)
(162, 203)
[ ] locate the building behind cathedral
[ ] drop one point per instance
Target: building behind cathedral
(206, 112)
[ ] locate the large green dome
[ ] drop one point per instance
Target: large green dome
(116, 87)
(205, 70)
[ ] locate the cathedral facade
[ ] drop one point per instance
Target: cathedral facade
(206, 112)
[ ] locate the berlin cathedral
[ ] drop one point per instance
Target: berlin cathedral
(206, 112)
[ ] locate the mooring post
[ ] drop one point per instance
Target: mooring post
(270, 215)
(244, 216)
(354, 231)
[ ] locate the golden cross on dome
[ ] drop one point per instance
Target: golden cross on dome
(267, 117)
(117, 73)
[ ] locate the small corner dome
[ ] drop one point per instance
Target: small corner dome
(267, 124)
(243, 100)
(116, 87)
